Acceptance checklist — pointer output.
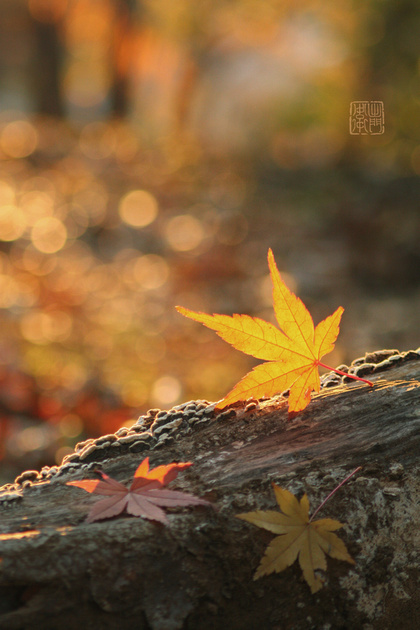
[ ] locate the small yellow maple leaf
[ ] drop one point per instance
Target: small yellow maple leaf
(300, 537)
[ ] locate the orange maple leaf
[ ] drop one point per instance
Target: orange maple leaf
(293, 353)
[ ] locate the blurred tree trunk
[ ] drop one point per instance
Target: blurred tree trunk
(120, 58)
(47, 64)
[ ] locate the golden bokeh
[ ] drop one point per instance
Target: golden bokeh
(36, 204)
(150, 271)
(70, 425)
(153, 158)
(18, 139)
(44, 327)
(184, 233)
(33, 438)
(166, 391)
(138, 208)
(9, 291)
(12, 223)
(49, 235)
(7, 192)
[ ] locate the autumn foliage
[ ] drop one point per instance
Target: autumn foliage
(292, 354)
(300, 537)
(144, 498)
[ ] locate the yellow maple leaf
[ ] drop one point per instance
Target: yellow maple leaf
(299, 537)
(293, 353)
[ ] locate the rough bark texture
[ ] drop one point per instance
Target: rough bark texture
(57, 571)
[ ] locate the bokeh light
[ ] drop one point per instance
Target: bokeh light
(49, 235)
(12, 223)
(150, 271)
(7, 193)
(18, 139)
(36, 204)
(138, 208)
(153, 159)
(9, 291)
(70, 425)
(184, 232)
(166, 391)
(32, 438)
(45, 327)
(73, 376)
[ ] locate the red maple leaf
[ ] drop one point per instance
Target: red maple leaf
(143, 497)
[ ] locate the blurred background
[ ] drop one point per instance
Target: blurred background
(150, 153)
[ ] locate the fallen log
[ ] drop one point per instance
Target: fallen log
(59, 572)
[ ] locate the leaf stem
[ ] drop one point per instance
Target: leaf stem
(334, 491)
(356, 378)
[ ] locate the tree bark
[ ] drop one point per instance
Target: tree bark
(57, 571)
